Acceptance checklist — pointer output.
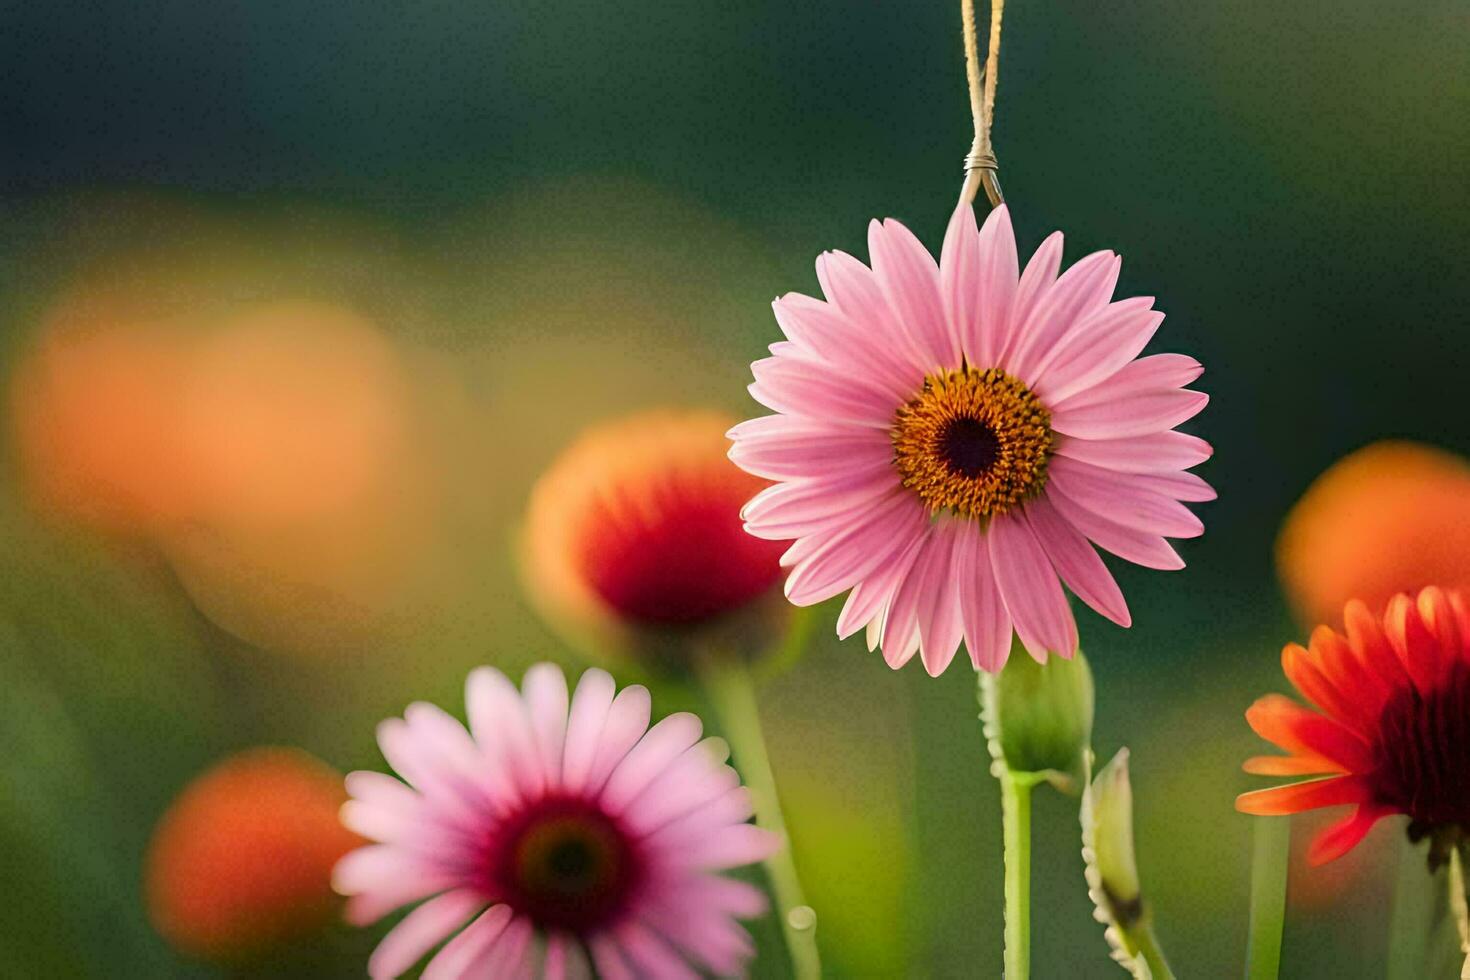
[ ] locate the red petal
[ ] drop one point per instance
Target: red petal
(1309, 795)
(1416, 647)
(1282, 721)
(1289, 765)
(1344, 835)
(1365, 637)
(1310, 674)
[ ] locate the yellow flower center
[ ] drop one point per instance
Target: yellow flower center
(975, 442)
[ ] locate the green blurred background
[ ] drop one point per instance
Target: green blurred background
(562, 211)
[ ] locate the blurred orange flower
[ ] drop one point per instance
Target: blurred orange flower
(95, 408)
(242, 859)
(634, 533)
(1391, 517)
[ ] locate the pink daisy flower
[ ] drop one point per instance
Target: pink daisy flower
(553, 829)
(953, 438)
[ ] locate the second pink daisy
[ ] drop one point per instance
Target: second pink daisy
(953, 438)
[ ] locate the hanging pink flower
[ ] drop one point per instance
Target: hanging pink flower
(952, 440)
(552, 826)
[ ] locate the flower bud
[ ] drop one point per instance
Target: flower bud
(1038, 717)
(1112, 871)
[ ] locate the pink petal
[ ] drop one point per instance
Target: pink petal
(585, 721)
(901, 619)
(909, 278)
(545, 689)
(797, 386)
(688, 784)
(1076, 562)
(418, 754)
(1040, 274)
(1123, 498)
(1180, 486)
(1157, 452)
(458, 957)
(607, 956)
(987, 624)
(421, 930)
(1142, 398)
(853, 288)
(827, 334)
(626, 723)
(941, 625)
(850, 555)
(808, 507)
(500, 724)
(1097, 348)
(1031, 591)
(959, 275)
(1152, 373)
(663, 743)
(1082, 290)
(727, 896)
(803, 448)
(1132, 415)
(381, 808)
(564, 958)
(1139, 547)
(651, 955)
(732, 847)
(679, 839)
(869, 595)
(715, 941)
(383, 868)
(995, 290)
(509, 955)
(627, 720)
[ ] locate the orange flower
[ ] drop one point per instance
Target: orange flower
(1393, 732)
(1391, 517)
(634, 532)
(243, 858)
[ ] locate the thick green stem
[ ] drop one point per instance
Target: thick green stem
(1152, 953)
(1268, 896)
(1015, 807)
(727, 683)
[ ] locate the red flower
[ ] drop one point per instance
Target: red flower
(634, 533)
(1393, 732)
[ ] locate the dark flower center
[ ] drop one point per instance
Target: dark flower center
(973, 442)
(1424, 746)
(565, 864)
(968, 446)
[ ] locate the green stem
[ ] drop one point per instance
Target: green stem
(1015, 808)
(1459, 905)
(1152, 953)
(1410, 922)
(728, 684)
(1268, 896)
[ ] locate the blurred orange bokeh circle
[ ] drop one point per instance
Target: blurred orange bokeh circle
(95, 408)
(1391, 517)
(242, 859)
(292, 410)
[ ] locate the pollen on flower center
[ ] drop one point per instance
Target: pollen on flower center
(975, 442)
(564, 863)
